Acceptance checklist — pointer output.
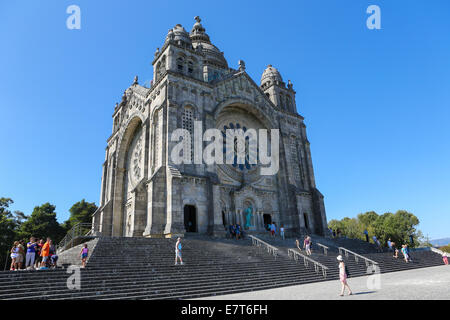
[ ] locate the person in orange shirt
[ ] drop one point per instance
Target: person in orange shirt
(45, 253)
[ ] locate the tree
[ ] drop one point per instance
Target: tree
(9, 224)
(80, 212)
(398, 227)
(367, 219)
(42, 224)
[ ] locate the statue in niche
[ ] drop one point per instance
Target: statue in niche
(248, 217)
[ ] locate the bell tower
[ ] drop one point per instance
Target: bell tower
(275, 89)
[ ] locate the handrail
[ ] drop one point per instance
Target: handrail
(78, 230)
(442, 253)
(324, 247)
(357, 256)
(270, 249)
(292, 253)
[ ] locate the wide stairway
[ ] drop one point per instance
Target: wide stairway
(140, 268)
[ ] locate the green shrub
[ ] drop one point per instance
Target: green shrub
(445, 248)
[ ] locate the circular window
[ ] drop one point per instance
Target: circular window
(250, 152)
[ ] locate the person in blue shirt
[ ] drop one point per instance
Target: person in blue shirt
(366, 233)
(31, 253)
(389, 243)
(232, 231)
(238, 231)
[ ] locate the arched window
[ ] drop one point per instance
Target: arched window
(180, 64)
(190, 68)
(160, 68)
(295, 162)
(289, 103)
(158, 118)
(188, 124)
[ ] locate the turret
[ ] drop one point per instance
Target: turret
(273, 86)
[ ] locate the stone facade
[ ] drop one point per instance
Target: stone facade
(144, 193)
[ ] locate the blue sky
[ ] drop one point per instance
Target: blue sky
(376, 102)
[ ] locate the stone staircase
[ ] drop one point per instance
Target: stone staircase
(140, 268)
(385, 260)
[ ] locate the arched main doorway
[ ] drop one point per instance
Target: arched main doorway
(267, 219)
(224, 219)
(190, 218)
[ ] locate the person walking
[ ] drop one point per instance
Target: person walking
(343, 275)
(307, 245)
(84, 254)
(282, 232)
(31, 254)
(178, 248)
(445, 258)
(273, 229)
(366, 233)
(297, 243)
(405, 253)
(394, 248)
(389, 244)
(408, 253)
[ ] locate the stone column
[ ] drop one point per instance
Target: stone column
(174, 215)
(217, 226)
(259, 221)
(117, 214)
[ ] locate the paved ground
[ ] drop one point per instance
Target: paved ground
(426, 283)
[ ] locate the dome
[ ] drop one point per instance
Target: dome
(200, 41)
(178, 33)
(272, 74)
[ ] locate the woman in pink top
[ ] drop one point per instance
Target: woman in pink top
(84, 254)
(307, 245)
(343, 276)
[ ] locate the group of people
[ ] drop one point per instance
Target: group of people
(272, 228)
(235, 231)
(392, 247)
(37, 255)
(307, 243)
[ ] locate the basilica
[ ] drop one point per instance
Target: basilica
(145, 193)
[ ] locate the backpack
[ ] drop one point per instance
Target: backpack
(347, 272)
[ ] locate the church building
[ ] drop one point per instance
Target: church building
(145, 193)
